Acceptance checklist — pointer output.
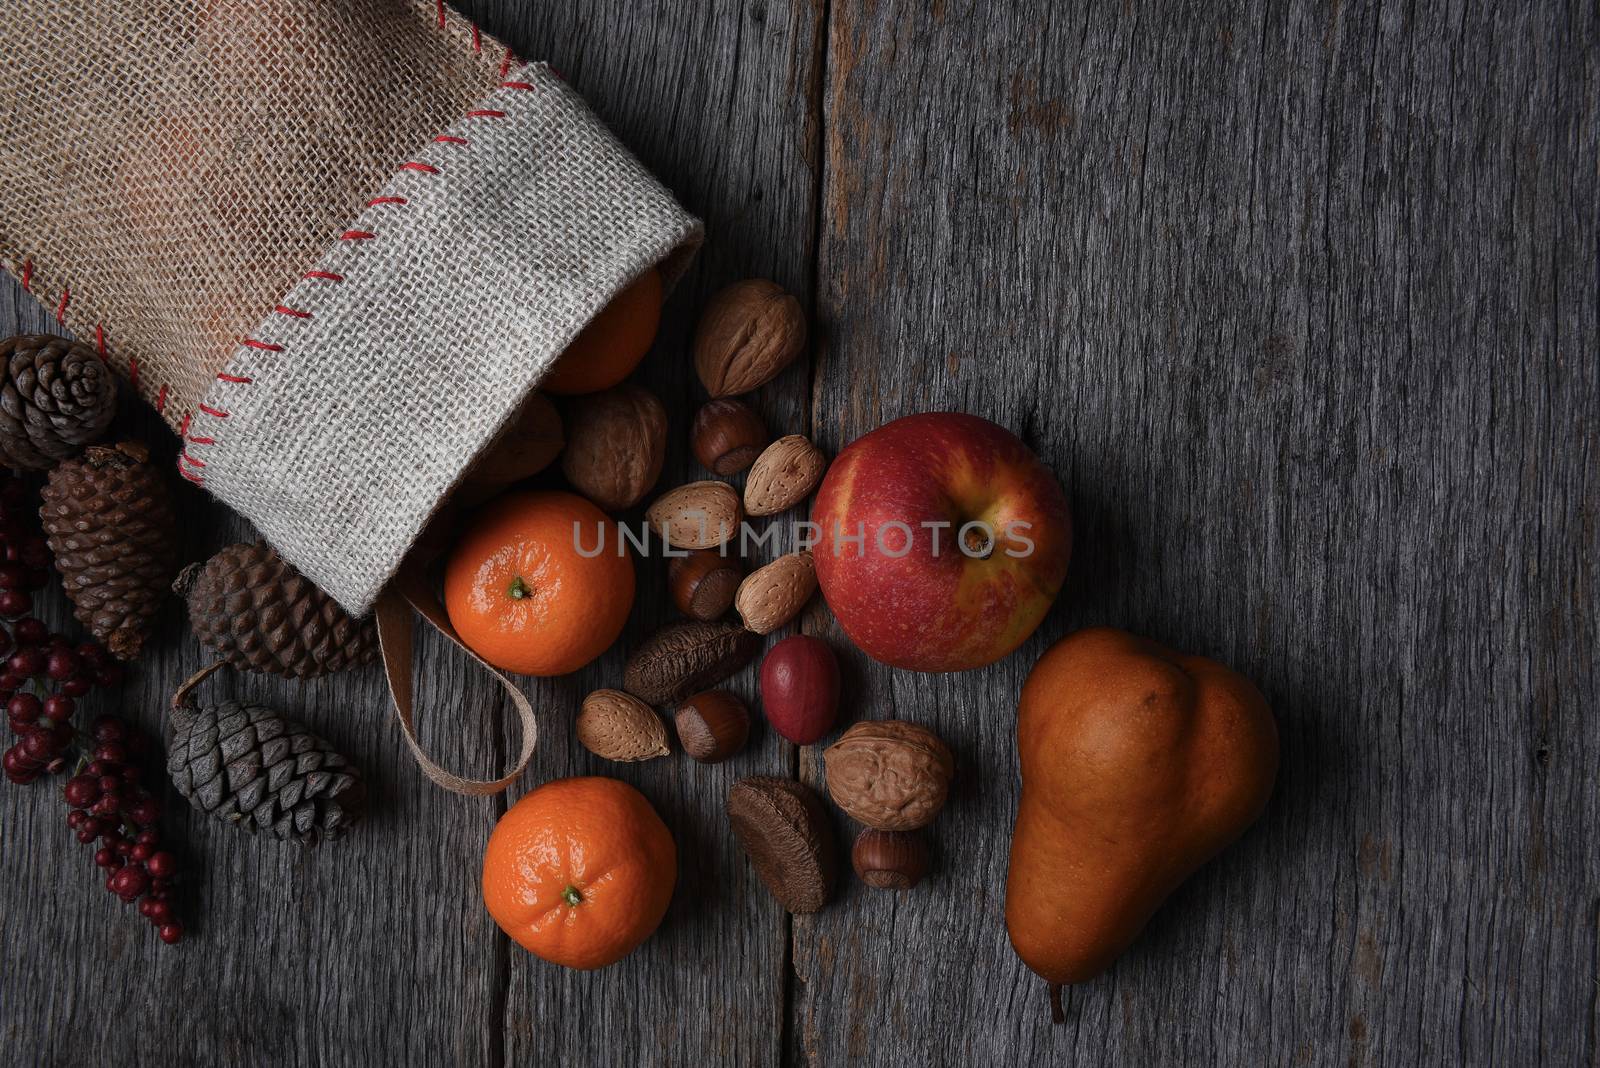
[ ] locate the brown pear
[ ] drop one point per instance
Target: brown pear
(1139, 764)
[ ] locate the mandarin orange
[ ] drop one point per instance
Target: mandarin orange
(580, 871)
(522, 595)
(611, 346)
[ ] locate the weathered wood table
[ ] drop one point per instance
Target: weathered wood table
(1299, 299)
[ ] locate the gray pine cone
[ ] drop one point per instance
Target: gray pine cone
(249, 766)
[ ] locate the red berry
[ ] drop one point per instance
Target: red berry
(144, 812)
(107, 807)
(124, 847)
(62, 665)
(13, 576)
(147, 838)
(111, 881)
(107, 858)
(61, 733)
(163, 865)
(15, 603)
(97, 768)
(10, 681)
(30, 631)
(38, 746)
(171, 933)
(27, 662)
(109, 728)
(93, 654)
(76, 686)
(75, 819)
(111, 752)
(58, 707)
(22, 778)
(17, 760)
(82, 791)
(24, 707)
(130, 881)
(158, 889)
(87, 832)
(109, 784)
(142, 851)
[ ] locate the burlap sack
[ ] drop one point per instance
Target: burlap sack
(335, 242)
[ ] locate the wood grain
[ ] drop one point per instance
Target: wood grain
(1301, 303)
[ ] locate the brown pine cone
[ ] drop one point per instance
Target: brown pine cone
(108, 518)
(259, 613)
(56, 396)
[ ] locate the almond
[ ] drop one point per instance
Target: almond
(784, 474)
(619, 726)
(701, 515)
(775, 594)
(748, 333)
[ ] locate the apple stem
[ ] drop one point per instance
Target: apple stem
(1057, 1013)
(571, 896)
(519, 589)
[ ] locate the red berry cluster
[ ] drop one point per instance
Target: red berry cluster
(109, 802)
(109, 799)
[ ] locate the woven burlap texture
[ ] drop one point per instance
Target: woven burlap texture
(169, 167)
(172, 170)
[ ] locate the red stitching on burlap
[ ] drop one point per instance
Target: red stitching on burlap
(61, 308)
(100, 340)
(161, 400)
(477, 40)
(330, 276)
(27, 276)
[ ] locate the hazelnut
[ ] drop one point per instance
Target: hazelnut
(703, 583)
(727, 436)
(890, 860)
(712, 726)
(749, 332)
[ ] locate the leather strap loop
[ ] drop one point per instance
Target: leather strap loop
(409, 593)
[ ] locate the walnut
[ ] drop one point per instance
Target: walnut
(749, 332)
(889, 775)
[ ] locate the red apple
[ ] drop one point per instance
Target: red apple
(964, 537)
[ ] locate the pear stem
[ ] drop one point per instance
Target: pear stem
(1057, 1013)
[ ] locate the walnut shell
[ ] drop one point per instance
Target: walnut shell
(773, 595)
(685, 658)
(618, 726)
(616, 440)
(701, 515)
(889, 774)
(748, 333)
(785, 474)
(528, 445)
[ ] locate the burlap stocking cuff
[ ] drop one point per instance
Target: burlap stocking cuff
(347, 415)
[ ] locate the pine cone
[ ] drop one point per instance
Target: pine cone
(56, 396)
(109, 521)
(259, 613)
(247, 765)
